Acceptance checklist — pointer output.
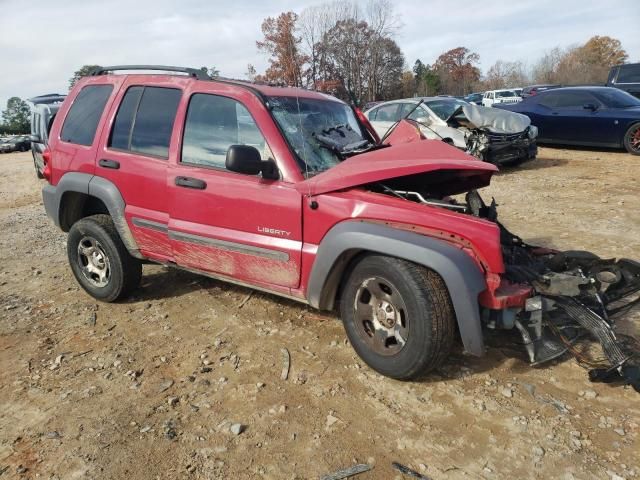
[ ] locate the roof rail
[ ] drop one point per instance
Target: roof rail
(192, 72)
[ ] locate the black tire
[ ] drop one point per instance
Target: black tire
(421, 304)
(632, 139)
(35, 165)
(118, 272)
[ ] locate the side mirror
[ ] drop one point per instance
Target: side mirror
(35, 138)
(246, 159)
(590, 106)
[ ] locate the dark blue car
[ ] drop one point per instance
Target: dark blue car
(590, 116)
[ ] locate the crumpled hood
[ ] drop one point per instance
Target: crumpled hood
(411, 161)
(494, 119)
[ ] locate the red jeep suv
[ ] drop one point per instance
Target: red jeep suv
(291, 192)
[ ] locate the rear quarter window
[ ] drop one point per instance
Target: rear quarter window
(81, 122)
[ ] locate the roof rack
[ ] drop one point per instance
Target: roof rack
(192, 72)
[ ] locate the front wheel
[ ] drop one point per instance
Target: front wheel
(100, 261)
(632, 139)
(398, 316)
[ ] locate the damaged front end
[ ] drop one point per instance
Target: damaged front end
(496, 136)
(571, 294)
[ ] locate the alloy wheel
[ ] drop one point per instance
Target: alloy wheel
(634, 139)
(380, 315)
(94, 262)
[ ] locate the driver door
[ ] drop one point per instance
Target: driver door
(237, 226)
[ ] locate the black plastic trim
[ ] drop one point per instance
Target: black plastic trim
(230, 246)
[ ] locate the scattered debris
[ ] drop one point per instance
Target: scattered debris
(91, 321)
(407, 471)
(165, 385)
(245, 300)
(286, 359)
(237, 428)
(347, 472)
(331, 420)
(53, 435)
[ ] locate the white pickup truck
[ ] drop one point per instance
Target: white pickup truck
(499, 96)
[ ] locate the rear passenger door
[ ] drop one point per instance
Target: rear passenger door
(238, 226)
(135, 150)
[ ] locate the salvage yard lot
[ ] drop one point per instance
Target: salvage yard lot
(148, 388)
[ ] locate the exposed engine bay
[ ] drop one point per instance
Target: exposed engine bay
(574, 294)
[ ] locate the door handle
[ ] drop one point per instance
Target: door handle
(109, 163)
(189, 182)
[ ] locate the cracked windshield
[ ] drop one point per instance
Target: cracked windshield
(321, 132)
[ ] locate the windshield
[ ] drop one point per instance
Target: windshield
(321, 132)
(615, 98)
(444, 108)
(507, 93)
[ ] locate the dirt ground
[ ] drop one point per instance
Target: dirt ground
(149, 388)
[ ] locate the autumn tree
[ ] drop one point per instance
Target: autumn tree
(458, 70)
(367, 65)
(603, 51)
(16, 117)
(283, 47)
(83, 71)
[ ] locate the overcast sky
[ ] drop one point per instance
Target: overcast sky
(43, 42)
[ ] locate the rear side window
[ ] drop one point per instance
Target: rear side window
(145, 120)
(388, 113)
(574, 99)
(83, 117)
(629, 74)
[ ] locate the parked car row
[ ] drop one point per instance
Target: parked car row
(17, 143)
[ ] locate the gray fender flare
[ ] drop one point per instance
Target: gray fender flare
(463, 278)
(97, 187)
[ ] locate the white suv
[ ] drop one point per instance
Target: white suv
(499, 96)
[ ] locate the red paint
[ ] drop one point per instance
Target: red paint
(398, 161)
(275, 216)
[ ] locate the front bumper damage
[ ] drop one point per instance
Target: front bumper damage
(564, 298)
(501, 149)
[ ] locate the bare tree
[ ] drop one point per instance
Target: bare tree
(506, 75)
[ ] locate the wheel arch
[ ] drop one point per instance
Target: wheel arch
(78, 195)
(345, 241)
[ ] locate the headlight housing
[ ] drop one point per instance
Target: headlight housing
(533, 132)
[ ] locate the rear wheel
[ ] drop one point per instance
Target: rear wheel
(398, 316)
(100, 261)
(632, 139)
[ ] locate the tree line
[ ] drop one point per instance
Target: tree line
(349, 51)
